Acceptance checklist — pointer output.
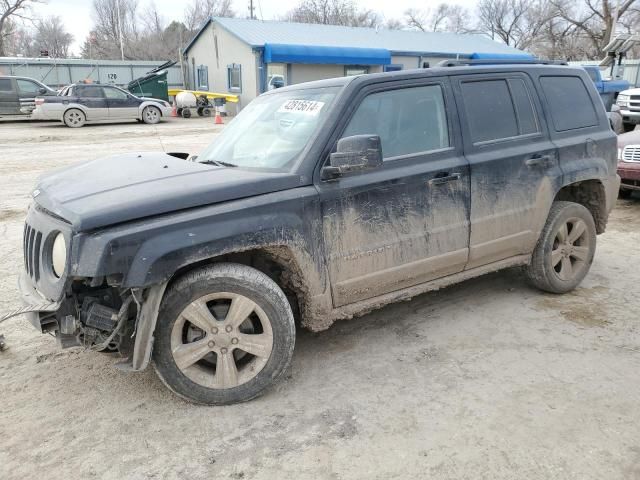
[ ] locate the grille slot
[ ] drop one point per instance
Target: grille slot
(32, 251)
(631, 153)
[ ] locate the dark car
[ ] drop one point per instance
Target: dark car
(78, 104)
(629, 163)
(17, 95)
(319, 202)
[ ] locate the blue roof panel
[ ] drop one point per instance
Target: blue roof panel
(282, 53)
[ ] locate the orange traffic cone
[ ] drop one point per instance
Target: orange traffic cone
(174, 112)
(218, 118)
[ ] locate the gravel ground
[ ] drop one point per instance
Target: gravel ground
(488, 379)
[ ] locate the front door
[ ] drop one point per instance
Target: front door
(406, 222)
(512, 161)
(121, 104)
(27, 92)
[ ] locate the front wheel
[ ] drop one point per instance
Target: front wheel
(225, 334)
(151, 115)
(625, 193)
(74, 118)
(565, 250)
(628, 127)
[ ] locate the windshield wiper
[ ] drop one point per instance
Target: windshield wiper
(218, 163)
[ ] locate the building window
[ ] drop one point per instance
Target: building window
(203, 77)
(234, 77)
(355, 70)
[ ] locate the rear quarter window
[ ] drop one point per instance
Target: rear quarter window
(569, 103)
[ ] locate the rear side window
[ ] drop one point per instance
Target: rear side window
(498, 109)
(408, 120)
(569, 103)
(89, 92)
(5, 85)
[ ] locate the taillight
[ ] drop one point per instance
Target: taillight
(39, 101)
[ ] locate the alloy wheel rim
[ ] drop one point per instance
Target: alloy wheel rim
(571, 247)
(221, 340)
(74, 118)
(151, 114)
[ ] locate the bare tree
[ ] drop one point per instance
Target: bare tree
(593, 20)
(444, 18)
(104, 39)
(333, 12)
(52, 37)
(10, 11)
(200, 10)
(517, 23)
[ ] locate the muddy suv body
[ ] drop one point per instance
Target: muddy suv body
(320, 202)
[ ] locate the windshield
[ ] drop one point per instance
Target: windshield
(272, 130)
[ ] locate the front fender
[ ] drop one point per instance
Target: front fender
(148, 252)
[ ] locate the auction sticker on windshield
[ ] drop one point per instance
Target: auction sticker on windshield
(309, 107)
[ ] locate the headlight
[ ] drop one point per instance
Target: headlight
(59, 255)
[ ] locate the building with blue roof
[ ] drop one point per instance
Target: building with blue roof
(248, 57)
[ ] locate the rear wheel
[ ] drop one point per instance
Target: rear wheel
(151, 115)
(225, 334)
(74, 118)
(565, 250)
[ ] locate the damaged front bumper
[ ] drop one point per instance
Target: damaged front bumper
(39, 311)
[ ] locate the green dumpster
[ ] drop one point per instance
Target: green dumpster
(153, 84)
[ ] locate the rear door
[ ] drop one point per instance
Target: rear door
(9, 103)
(511, 157)
(91, 97)
(406, 222)
(121, 105)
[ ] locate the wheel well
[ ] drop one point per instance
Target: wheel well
(278, 263)
(590, 194)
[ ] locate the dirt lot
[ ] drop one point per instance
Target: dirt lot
(487, 379)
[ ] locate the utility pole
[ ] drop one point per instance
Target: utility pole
(251, 9)
(120, 29)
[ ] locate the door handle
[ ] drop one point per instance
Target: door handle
(444, 178)
(543, 161)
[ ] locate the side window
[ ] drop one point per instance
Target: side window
(89, 92)
(490, 111)
(5, 85)
(527, 121)
(27, 87)
(408, 120)
(115, 94)
(569, 103)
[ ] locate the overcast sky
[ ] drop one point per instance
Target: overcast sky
(77, 13)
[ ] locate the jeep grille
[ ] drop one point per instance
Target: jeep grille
(631, 153)
(32, 251)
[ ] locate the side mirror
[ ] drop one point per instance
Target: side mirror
(42, 90)
(359, 152)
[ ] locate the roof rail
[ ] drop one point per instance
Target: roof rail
(499, 61)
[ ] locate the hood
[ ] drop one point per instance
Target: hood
(630, 138)
(132, 186)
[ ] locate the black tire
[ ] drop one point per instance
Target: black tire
(186, 113)
(199, 111)
(206, 112)
(541, 272)
(625, 193)
(628, 127)
(247, 283)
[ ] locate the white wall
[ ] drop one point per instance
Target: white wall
(230, 50)
(301, 73)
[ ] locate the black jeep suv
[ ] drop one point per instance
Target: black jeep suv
(320, 202)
